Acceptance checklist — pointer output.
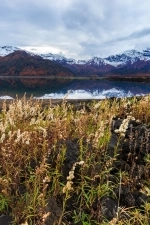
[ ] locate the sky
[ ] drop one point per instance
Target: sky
(78, 29)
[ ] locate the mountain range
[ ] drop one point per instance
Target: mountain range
(15, 61)
(19, 64)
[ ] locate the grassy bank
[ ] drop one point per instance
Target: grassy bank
(59, 162)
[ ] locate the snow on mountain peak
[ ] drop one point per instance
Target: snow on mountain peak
(51, 56)
(146, 52)
(132, 53)
(129, 56)
(81, 62)
(97, 61)
(5, 50)
(56, 57)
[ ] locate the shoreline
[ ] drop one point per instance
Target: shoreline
(46, 102)
(92, 77)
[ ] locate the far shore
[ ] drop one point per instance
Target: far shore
(90, 77)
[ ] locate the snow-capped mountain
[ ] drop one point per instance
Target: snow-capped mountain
(58, 58)
(113, 60)
(128, 56)
(96, 61)
(21, 63)
(5, 50)
(118, 60)
(127, 63)
(62, 59)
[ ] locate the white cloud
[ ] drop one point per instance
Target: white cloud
(78, 29)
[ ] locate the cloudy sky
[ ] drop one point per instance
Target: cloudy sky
(76, 28)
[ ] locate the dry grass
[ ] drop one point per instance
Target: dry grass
(33, 143)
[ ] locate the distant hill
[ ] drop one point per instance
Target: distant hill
(14, 61)
(128, 64)
(21, 63)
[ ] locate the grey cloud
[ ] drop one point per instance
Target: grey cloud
(76, 27)
(81, 18)
(135, 35)
(140, 34)
(29, 13)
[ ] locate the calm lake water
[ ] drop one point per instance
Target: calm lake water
(74, 89)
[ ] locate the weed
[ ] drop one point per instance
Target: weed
(38, 164)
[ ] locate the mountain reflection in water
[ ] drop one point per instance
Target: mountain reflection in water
(73, 89)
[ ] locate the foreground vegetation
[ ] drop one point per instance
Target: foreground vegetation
(56, 166)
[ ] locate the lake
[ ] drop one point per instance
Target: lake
(72, 88)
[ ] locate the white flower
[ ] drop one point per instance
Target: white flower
(124, 126)
(71, 175)
(68, 187)
(81, 163)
